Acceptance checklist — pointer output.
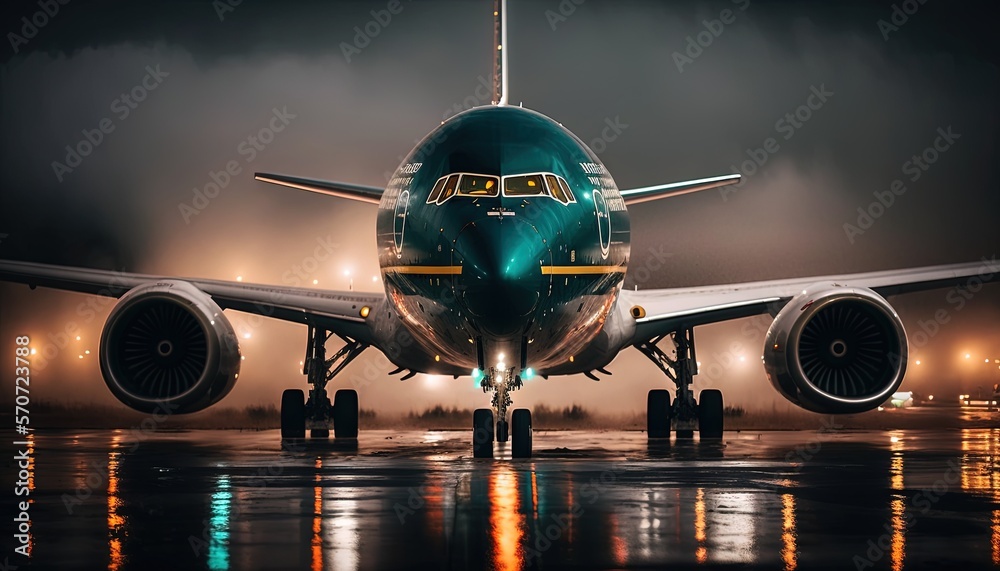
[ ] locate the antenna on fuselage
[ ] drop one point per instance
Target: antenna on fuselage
(499, 52)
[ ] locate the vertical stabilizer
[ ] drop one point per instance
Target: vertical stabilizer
(499, 52)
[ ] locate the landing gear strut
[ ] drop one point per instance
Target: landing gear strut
(317, 413)
(686, 413)
(501, 382)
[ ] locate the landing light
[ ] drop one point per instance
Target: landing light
(365, 311)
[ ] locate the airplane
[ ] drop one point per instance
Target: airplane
(503, 242)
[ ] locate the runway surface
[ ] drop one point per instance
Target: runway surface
(824, 499)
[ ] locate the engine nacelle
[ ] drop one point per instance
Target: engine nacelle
(836, 349)
(167, 346)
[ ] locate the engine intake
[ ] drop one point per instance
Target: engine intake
(835, 349)
(168, 346)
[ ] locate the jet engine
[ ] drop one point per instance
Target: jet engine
(836, 349)
(168, 347)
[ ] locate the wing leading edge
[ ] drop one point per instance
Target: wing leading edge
(660, 311)
(647, 193)
(361, 193)
(337, 311)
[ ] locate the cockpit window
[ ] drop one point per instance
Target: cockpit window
(436, 191)
(554, 189)
(478, 185)
(526, 185)
(449, 188)
(564, 195)
(487, 186)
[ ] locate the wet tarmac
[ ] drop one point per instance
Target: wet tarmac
(827, 499)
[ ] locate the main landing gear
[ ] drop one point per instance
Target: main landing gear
(501, 382)
(685, 414)
(317, 413)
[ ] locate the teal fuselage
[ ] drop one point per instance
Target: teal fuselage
(502, 276)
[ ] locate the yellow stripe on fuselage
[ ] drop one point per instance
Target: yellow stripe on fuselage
(425, 270)
(546, 270)
(579, 270)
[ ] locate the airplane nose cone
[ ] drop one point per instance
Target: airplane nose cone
(501, 275)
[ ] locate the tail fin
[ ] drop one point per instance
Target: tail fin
(499, 52)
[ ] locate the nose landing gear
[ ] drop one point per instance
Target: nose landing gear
(501, 382)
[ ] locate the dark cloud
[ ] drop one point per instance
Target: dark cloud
(608, 59)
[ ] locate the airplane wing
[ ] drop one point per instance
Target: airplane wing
(337, 311)
(361, 193)
(661, 311)
(647, 193)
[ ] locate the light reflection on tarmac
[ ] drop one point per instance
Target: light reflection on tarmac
(839, 499)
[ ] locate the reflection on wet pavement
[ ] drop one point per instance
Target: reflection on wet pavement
(779, 500)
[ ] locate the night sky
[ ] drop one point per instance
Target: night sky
(820, 105)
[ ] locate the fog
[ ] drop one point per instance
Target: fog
(218, 81)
